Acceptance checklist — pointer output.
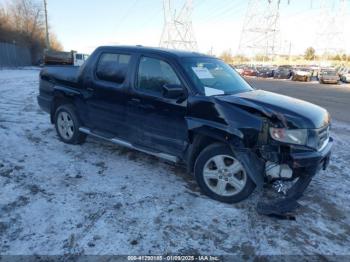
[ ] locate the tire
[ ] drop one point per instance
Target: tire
(67, 125)
(234, 183)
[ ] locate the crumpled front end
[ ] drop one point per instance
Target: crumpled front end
(285, 163)
(293, 144)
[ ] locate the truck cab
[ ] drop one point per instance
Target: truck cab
(79, 59)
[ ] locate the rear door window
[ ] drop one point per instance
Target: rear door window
(113, 67)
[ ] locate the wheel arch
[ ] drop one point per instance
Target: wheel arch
(203, 137)
(200, 139)
(60, 98)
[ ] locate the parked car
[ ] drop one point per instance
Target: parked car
(283, 72)
(249, 71)
(190, 109)
(341, 71)
(265, 72)
(238, 68)
(302, 74)
(328, 76)
(345, 77)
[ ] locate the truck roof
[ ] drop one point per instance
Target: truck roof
(155, 50)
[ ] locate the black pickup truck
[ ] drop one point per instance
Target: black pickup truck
(191, 109)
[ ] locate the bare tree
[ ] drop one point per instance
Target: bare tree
(226, 56)
(22, 22)
(4, 24)
(54, 43)
(27, 18)
(310, 53)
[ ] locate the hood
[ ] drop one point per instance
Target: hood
(302, 73)
(293, 113)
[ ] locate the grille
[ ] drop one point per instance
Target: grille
(323, 136)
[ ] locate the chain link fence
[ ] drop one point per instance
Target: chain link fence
(14, 56)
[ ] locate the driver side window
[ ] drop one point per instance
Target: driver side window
(153, 74)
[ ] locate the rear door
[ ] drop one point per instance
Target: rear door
(107, 103)
(158, 123)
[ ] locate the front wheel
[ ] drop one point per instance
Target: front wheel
(221, 176)
(67, 125)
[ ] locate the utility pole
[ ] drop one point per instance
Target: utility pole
(289, 51)
(47, 27)
(178, 31)
(260, 30)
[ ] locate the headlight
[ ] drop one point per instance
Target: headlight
(290, 136)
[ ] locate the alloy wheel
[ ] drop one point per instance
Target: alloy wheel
(224, 175)
(65, 125)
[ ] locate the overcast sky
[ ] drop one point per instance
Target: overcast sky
(83, 25)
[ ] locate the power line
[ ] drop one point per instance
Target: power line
(260, 29)
(178, 31)
(228, 11)
(213, 12)
(126, 14)
(152, 17)
(330, 36)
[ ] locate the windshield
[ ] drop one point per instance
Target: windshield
(213, 77)
(283, 68)
(263, 68)
(330, 73)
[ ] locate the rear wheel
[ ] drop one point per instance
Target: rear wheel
(67, 125)
(221, 175)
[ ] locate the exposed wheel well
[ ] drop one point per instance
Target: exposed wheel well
(199, 142)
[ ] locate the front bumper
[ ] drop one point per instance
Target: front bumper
(282, 76)
(310, 163)
(314, 160)
(330, 81)
(301, 77)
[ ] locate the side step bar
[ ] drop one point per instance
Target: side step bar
(126, 144)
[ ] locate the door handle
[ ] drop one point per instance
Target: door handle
(146, 106)
(135, 100)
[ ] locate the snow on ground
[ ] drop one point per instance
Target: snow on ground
(99, 198)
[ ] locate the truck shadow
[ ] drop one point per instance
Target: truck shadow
(136, 156)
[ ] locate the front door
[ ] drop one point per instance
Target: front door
(157, 122)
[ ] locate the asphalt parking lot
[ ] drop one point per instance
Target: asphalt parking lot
(335, 98)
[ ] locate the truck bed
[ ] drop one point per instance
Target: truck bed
(63, 74)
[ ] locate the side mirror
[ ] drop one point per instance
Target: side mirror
(173, 91)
